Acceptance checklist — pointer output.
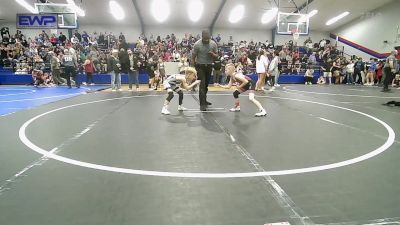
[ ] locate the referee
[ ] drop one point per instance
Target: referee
(205, 51)
(389, 70)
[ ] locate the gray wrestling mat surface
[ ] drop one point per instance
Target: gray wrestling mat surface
(323, 155)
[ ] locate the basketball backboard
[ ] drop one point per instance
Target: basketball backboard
(66, 15)
(289, 22)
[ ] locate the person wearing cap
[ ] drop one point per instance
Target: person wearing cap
(114, 68)
(70, 64)
(205, 51)
(389, 70)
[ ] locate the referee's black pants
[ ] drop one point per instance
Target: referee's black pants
(70, 71)
(203, 74)
(387, 78)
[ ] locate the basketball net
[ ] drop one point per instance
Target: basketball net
(296, 34)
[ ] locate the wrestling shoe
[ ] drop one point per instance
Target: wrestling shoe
(165, 111)
(261, 113)
(181, 108)
(235, 109)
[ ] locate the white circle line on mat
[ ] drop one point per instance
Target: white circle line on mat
(46, 153)
(333, 94)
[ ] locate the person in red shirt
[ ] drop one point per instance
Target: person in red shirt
(379, 72)
(53, 40)
(89, 70)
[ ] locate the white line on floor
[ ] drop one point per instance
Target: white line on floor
(333, 94)
(232, 138)
(22, 93)
(358, 102)
(7, 114)
(283, 199)
(389, 141)
(355, 90)
(330, 121)
(209, 111)
(383, 221)
(34, 99)
(7, 184)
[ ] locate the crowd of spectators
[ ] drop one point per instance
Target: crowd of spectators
(34, 55)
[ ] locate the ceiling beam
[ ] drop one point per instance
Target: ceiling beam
(294, 3)
(221, 6)
(142, 27)
(306, 4)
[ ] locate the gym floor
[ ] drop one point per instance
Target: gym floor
(323, 155)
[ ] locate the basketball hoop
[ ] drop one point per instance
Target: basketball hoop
(296, 34)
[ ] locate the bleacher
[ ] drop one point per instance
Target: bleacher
(8, 77)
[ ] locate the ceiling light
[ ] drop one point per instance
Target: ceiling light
(195, 10)
(335, 19)
(116, 10)
(236, 14)
(76, 8)
(269, 15)
(304, 18)
(160, 10)
(27, 6)
(312, 13)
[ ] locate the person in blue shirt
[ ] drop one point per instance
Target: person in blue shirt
(371, 71)
(359, 67)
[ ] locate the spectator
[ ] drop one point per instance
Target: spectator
(246, 63)
(396, 81)
(78, 35)
(114, 67)
(134, 70)
(84, 38)
(124, 60)
(313, 59)
(161, 69)
(53, 40)
(359, 67)
(74, 40)
(309, 75)
(389, 70)
(55, 70)
(371, 72)
(379, 72)
(336, 67)
(321, 80)
(273, 70)
(217, 71)
(70, 64)
(89, 70)
(62, 38)
(151, 71)
(261, 69)
(350, 72)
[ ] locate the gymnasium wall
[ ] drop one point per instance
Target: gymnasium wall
(371, 29)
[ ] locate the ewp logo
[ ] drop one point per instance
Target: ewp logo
(36, 21)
